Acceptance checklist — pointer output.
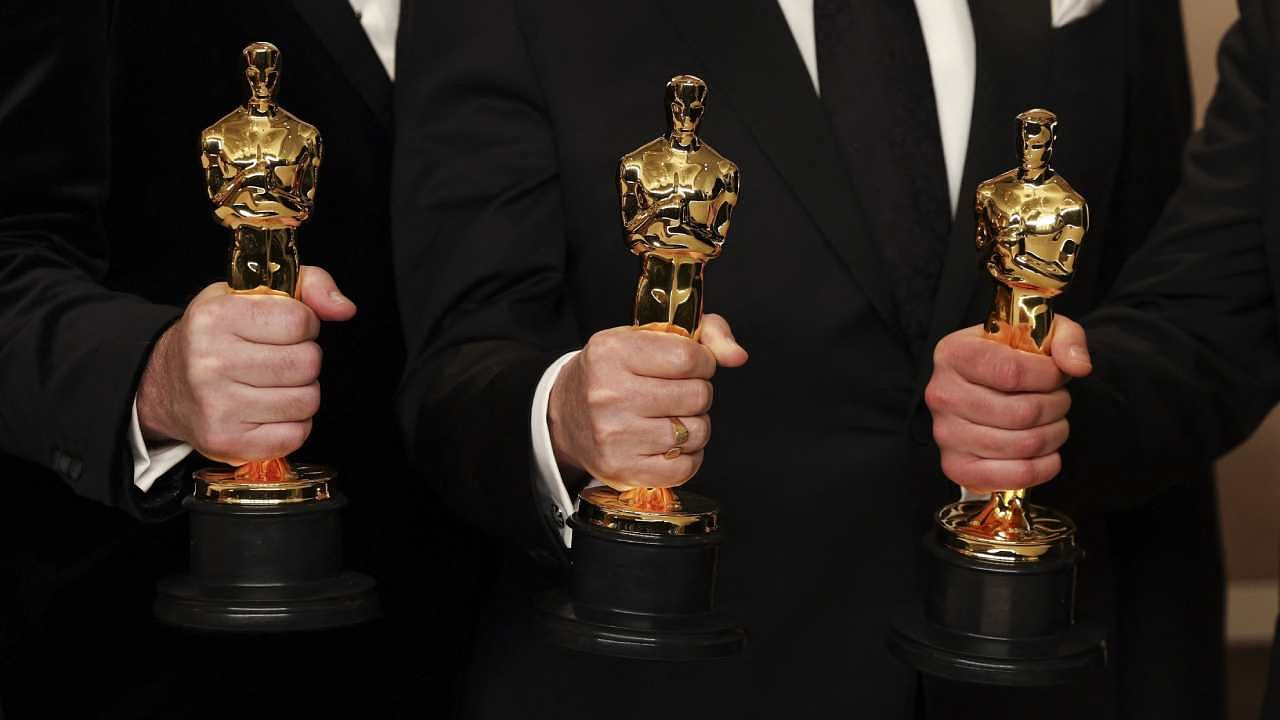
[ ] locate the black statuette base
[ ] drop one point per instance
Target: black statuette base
(649, 597)
(266, 569)
(997, 623)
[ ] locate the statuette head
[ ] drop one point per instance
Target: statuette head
(1037, 129)
(262, 63)
(686, 95)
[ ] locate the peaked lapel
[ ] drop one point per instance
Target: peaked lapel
(757, 67)
(1009, 79)
(339, 31)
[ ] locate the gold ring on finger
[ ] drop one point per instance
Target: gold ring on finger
(681, 432)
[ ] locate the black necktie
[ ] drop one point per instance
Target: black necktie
(873, 74)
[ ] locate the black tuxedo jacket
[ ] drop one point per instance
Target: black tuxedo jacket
(105, 234)
(511, 116)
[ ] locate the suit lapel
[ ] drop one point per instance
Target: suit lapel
(335, 23)
(756, 67)
(1010, 79)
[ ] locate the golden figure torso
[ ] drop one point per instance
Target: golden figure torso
(676, 207)
(1033, 230)
(261, 168)
(260, 171)
(677, 200)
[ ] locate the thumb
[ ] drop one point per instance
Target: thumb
(1069, 348)
(718, 338)
(318, 291)
(211, 291)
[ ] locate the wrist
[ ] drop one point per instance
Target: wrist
(154, 398)
(571, 468)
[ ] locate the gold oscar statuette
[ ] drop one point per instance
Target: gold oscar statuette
(265, 541)
(1030, 225)
(677, 196)
(260, 167)
(643, 562)
(998, 601)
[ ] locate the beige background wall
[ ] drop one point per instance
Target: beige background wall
(1248, 478)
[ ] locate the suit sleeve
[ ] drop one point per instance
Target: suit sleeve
(1186, 350)
(71, 351)
(480, 260)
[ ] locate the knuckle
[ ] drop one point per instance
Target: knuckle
(954, 468)
(953, 350)
(942, 353)
(704, 395)
(1052, 466)
(203, 317)
(293, 437)
(942, 433)
(309, 403)
(602, 345)
(310, 359)
(600, 395)
(694, 464)
(936, 396)
(605, 433)
(597, 434)
(203, 368)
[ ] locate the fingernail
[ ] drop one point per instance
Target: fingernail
(338, 298)
(1078, 352)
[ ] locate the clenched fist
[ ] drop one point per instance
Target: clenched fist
(999, 414)
(235, 377)
(611, 407)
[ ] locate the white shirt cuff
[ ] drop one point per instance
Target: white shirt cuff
(149, 463)
(549, 483)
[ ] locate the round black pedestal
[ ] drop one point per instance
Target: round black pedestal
(266, 569)
(997, 623)
(648, 597)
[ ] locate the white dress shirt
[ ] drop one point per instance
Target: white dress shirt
(949, 40)
(379, 18)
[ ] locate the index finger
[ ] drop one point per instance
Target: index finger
(991, 364)
(667, 355)
(272, 319)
